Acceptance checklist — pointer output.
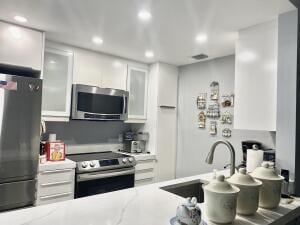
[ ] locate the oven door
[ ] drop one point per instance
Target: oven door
(105, 181)
(94, 103)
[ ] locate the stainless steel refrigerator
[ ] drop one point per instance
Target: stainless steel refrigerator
(20, 116)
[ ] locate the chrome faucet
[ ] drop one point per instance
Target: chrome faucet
(210, 156)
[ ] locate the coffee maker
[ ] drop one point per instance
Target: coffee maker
(135, 142)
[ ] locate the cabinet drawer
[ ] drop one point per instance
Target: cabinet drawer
(144, 182)
(55, 188)
(52, 176)
(145, 165)
(144, 174)
(42, 200)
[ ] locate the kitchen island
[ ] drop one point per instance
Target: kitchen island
(146, 205)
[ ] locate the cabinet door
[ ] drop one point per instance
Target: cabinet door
(167, 81)
(256, 78)
(57, 83)
(166, 143)
(113, 74)
(137, 85)
(87, 68)
(21, 46)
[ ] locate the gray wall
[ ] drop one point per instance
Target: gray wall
(286, 90)
(194, 143)
(87, 132)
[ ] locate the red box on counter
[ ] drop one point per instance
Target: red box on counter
(55, 151)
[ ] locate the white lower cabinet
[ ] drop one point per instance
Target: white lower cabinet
(56, 182)
(144, 172)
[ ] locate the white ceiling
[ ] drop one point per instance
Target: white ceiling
(170, 33)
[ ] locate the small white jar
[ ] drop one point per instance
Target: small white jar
(248, 198)
(270, 192)
(220, 200)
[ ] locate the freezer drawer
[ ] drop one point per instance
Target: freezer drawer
(17, 194)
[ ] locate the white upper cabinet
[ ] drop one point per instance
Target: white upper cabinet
(21, 46)
(87, 68)
(57, 84)
(137, 85)
(168, 85)
(256, 78)
(95, 69)
(113, 73)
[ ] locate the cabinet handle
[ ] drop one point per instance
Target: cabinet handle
(56, 183)
(124, 104)
(56, 196)
(142, 180)
(56, 171)
(167, 106)
(144, 171)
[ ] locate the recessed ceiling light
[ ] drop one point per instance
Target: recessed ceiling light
(144, 15)
(52, 62)
(201, 38)
(20, 19)
(97, 40)
(149, 54)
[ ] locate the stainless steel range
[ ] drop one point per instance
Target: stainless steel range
(102, 172)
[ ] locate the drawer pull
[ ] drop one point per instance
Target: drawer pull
(56, 196)
(146, 161)
(56, 183)
(56, 171)
(144, 171)
(143, 180)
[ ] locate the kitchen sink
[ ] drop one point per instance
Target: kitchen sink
(187, 189)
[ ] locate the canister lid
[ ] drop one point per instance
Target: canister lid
(220, 185)
(265, 172)
(242, 178)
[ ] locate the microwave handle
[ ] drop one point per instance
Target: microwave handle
(124, 104)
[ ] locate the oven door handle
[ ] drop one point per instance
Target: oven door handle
(93, 176)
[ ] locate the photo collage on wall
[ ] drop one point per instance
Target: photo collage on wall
(210, 109)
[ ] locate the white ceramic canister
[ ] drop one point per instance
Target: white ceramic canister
(220, 200)
(248, 198)
(270, 192)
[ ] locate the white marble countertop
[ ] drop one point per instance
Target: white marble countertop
(141, 156)
(146, 205)
(58, 165)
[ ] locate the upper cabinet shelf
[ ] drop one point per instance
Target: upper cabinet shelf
(21, 46)
(256, 77)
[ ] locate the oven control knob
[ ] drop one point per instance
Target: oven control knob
(124, 160)
(92, 164)
(84, 164)
(130, 160)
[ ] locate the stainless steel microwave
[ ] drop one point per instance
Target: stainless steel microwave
(95, 103)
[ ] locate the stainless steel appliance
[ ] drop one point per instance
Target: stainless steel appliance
(135, 142)
(20, 115)
(143, 138)
(95, 103)
(132, 146)
(102, 172)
